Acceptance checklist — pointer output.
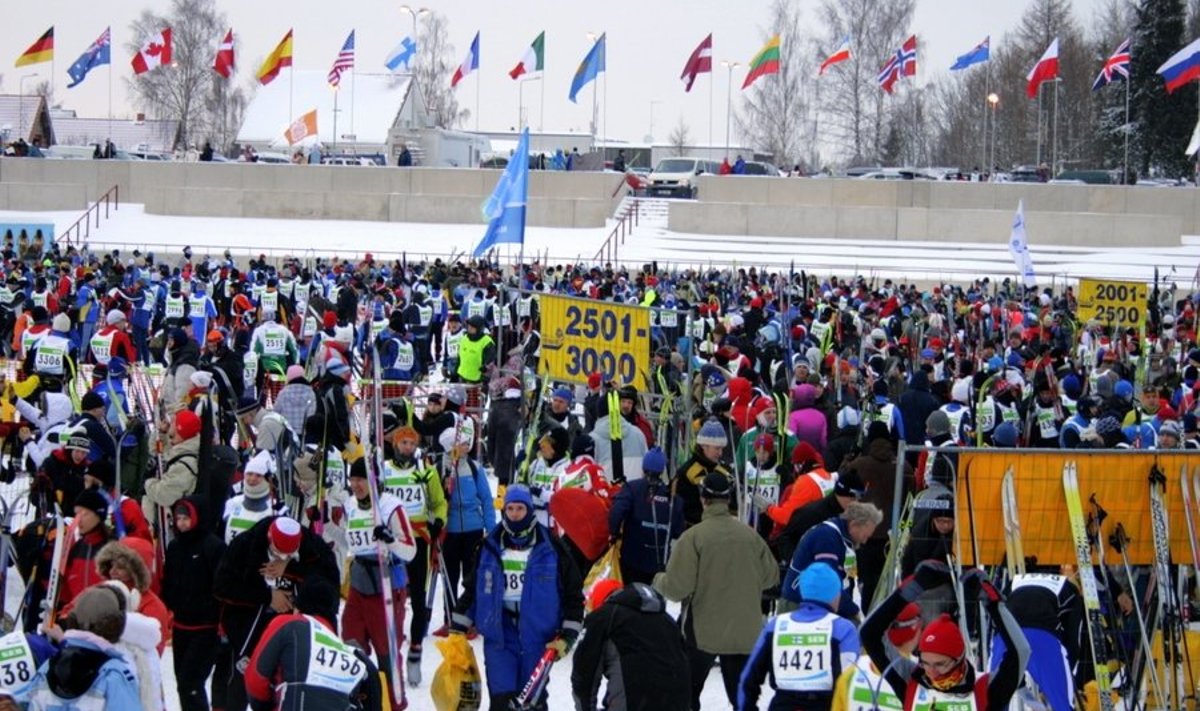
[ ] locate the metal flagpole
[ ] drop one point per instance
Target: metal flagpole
(542, 108)
(335, 113)
(1054, 134)
(1038, 162)
(478, 82)
(595, 126)
(712, 80)
(353, 83)
(110, 73)
(1126, 176)
(816, 125)
(605, 110)
(291, 92)
(987, 90)
(520, 103)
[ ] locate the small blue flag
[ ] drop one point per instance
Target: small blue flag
(505, 209)
(981, 53)
(591, 66)
(402, 54)
(95, 56)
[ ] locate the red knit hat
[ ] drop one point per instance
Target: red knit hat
(329, 320)
(187, 424)
(906, 626)
(601, 591)
(805, 452)
(765, 442)
(593, 381)
(284, 535)
(942, 636)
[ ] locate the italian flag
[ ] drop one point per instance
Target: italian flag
(765, 62)
(534, 59)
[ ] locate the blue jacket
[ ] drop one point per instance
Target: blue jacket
(646, 523)
(114, 682)
(551, 599)
(843, 651)
(827, 544)
(470, 503)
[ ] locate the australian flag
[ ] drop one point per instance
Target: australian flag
(1116, 67)
(96, 55)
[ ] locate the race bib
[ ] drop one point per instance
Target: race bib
(360, 536)
(16, 662)
(404, 357)
(452, 347)
(377, 327)
(668, 319)
(331, 663)
(174, 308)
(1046, 425)
(49, 359)
(197, 308)
(404, 485)
(802, 654)
(766, 484)
(102, 349)
(513, 564)
(274, 344)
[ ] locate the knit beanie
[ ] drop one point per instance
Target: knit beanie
(711, 434)
(942, 636)
(906, 626)
(601, 592)
(819, 583)
(98, 610)
(654, 461)
(187, 424)
(938, 423)
(583, 444)
(285, 535)
(94, 501)
(61, 323)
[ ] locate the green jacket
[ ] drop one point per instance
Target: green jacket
(719, 569)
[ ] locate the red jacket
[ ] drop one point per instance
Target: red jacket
(81, 571)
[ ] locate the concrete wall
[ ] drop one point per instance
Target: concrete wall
(1080, 215)
(313, 192)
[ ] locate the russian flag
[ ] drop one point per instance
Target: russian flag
(1182, 67)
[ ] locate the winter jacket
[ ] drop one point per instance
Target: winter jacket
(81, 571)
(470, 506)
(189, 572)
(178, 478)
(801, 521)
(808, 487)
(551, 599)
(60, 478)
(238, 581)
(140, 642)
(633, 447)
(647, 519)
(719, 568)
(810, 426)
(916, 404)
(277, 677)
(841, 445)
(177, 380)
(877, 469)
(827, 543)
(686, 485)
(632, 641)
(88, 673)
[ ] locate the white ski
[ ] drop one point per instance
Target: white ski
(1087, 583)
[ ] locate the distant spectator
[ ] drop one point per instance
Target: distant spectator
(739, 166)
(619, 163)
(206, 155)
(725, 168)
(573, 159)
(405, 159)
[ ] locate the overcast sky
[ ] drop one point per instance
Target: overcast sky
(648, 44)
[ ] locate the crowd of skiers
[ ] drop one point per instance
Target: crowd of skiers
(284, 471)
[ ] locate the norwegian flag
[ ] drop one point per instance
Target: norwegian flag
(902, 64)
(1116, 67)
(344, 61)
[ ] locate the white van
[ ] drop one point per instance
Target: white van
(676, 177)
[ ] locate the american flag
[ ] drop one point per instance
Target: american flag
(1116, 67)
(344, 61)
(902, 64)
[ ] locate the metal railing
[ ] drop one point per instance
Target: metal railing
(82, 227)
(608, 251)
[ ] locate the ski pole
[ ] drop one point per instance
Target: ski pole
(537, 681)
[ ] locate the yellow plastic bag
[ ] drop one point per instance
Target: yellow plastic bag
(606, 567)
(456, 683)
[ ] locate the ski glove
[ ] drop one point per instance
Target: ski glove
(435, 529)
(561, 645)
(931, 574)
(976, 584)
(383, 534)
(761, 503)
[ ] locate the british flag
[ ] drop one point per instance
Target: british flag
(344, 61)
(1116, 67)
(902, 64)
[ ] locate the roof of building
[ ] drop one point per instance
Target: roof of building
(156, 135)
(372, 100)
(12, 107)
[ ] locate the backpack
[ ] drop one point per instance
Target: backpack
(213, 477)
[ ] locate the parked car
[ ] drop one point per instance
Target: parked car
(1089, 177)
(348, 159)
(676, 177)
(273, 158)
(754, 167)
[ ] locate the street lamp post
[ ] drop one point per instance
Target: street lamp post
(415, 12)
(21, 100)
(994, 100)
(729, 101)
(650, 135)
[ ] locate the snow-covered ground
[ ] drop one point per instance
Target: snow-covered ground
(131, 228)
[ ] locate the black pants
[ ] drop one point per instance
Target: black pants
(701, 663)
(872, 556)
(435, 340)
(633, 575)
(503, 423)
(418, 570)
(195, 654)
(243, 628)
(458, 555)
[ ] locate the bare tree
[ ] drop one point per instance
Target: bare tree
(680, 137)
(434, 64)
(46, 91)
(774, 114)
(177, 91)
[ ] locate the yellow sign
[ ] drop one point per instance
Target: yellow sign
(1113, 303)
(581, 337)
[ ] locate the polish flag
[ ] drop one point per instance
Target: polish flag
(1045, 70)
(155, 53)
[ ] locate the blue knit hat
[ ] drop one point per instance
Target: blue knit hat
(711, 434)
(654, 461)
(1005, 435)
(819, 583)
(519, 494)
(564, 394)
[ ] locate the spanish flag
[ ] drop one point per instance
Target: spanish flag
(277, 60)
(40, 51)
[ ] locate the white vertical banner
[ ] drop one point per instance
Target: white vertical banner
(1018, 247)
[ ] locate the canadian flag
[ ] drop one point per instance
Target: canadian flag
(223, 62)
(155, 53)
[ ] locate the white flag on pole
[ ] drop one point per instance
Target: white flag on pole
(1018, 247)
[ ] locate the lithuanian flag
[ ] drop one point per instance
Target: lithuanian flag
(765, 62)
(40, 51)
(276, 60)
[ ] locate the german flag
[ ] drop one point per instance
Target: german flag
(40, 51)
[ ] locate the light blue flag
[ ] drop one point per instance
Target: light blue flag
(505, 209)
(95, 56)
(402, 55)
(591, 66)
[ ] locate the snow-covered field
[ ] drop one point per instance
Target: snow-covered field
(132, 228)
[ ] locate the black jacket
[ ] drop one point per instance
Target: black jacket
(190, 570)
(646, 518)
(801, 521)
(916, 404)
(239, 582)
(634, 642)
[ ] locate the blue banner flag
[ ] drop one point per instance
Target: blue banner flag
(591, 66)
(95, 56)
(505, 209)
(402, 55)
(981, 53)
